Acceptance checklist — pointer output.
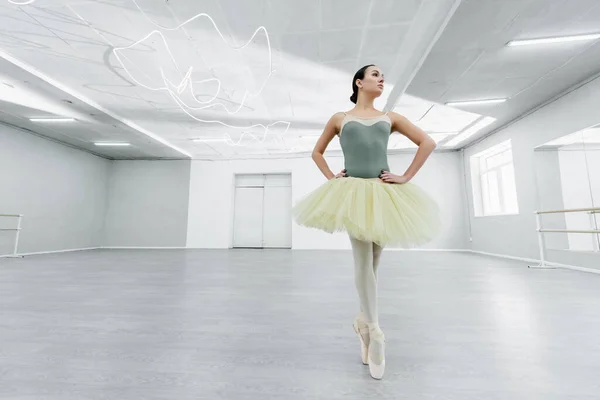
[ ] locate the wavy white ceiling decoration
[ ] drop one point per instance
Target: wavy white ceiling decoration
(186, 81)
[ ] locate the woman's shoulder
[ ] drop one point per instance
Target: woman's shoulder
(395, 116)
(337, 117)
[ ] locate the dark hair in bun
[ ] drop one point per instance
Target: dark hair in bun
(360, 74)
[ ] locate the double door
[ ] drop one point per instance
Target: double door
(262, 211)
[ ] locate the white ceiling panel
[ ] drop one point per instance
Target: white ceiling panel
(339, 45)
(524, 61)
(294, 16)
(558, 18)
(385, 12)
(305, 45)
(384, 40)
(343, 14)
(446, 65)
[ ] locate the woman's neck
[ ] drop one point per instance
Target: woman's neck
(364, 104)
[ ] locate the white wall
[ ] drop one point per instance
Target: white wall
(212, 187)
(516, 235)
(147, 204)
(60, 190)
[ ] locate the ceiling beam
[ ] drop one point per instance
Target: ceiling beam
(427, 26)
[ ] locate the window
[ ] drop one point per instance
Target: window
(493, 178)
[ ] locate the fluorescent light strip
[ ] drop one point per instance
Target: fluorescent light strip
(560, 39)
(482, 123)
(469, 102)
(52, 119)
(112, 144)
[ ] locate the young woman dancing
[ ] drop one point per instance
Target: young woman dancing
(374, 206)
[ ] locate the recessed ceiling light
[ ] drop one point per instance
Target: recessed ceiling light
(550, 40)
(479, 125)
(112, 144)
(52, 119)
(475, 102)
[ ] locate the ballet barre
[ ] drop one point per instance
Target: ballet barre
(541, 231)
(17, 231)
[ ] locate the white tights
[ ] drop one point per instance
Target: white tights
(366, 261)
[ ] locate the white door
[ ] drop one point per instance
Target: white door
(263, 211)
(277, 214)
(248, 212)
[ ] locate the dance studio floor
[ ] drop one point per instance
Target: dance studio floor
(277, 324)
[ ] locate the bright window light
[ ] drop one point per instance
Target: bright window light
(52, 119)
(112, 144)
(434, 117)
(475, 102)
(493, 181)
(398, 141)
(560, 39)
(479, 125)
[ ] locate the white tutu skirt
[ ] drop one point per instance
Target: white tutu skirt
(371, 210)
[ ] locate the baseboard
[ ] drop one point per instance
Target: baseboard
(485, 253)
(37, 253)
(576, 268)
(419, 249)
(535, 261)
(530, 261)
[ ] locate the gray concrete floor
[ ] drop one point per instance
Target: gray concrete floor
(276, 324)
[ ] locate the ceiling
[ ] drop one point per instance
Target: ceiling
(471, 61)
(24, 96)
(221, 79)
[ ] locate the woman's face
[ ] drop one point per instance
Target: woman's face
(372, 83)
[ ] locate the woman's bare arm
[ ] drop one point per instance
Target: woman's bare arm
(331, 129)
(416, 135)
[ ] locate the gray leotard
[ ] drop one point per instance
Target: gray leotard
(364, 143)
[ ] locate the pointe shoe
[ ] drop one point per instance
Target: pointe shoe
(362, 330)
(376, 344)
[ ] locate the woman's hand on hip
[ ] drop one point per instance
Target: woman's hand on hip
(341, 174)
(388, 177)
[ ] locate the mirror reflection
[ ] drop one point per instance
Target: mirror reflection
(568, 177)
